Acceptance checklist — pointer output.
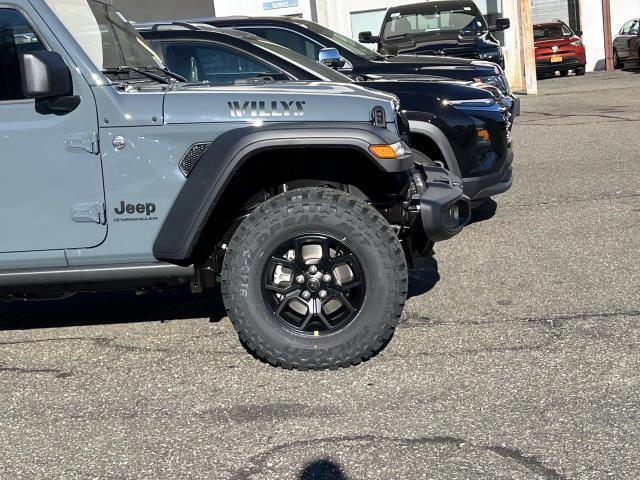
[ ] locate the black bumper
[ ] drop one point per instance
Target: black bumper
(569, 63)
(440, 208)
(478, 188)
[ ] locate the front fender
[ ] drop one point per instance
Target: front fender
(212, 173)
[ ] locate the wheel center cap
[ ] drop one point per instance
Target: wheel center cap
(313, 284)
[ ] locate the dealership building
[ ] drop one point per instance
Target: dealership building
(597, 19)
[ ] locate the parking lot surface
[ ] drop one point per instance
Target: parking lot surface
(517, 357)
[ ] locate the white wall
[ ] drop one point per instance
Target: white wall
(592, 26)
(225, 8)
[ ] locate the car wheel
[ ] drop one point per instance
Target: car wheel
(314, 279)
(564, 73)
(580, 71)
(617, 64)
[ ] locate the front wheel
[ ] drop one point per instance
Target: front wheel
(617, 64)
(580, 71)
(314, 279)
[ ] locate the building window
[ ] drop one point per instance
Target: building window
(369, 21)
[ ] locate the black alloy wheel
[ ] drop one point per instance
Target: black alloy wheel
(314, 285)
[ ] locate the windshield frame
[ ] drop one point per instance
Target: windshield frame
(431, 9)
(90, 38)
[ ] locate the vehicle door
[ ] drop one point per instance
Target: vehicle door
(621, 42)
(51, 187)
(634, 42)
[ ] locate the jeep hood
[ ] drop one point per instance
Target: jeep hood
(275, 102)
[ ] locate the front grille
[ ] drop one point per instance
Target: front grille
(192, 156)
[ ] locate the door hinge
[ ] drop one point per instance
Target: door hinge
(89, 212)
(83, 141)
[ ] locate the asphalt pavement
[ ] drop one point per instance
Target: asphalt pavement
(518, 355)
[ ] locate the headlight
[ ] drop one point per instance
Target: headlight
(490, 54)
(577, 43)
(472, 102)
(498, 81)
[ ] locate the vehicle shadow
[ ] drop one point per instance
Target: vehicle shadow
(112, 307)
(423, 276)
(484, 211)
(324, 469)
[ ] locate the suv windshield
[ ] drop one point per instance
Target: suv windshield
(104, 34)
(551, 30)
(344, 42)
(427, 18)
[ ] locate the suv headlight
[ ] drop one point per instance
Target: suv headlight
(496, 52)
(471, 102)
(498, 81)
(577, 43)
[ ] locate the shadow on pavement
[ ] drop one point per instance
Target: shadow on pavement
(484, 211)
(111, 307)
(322, 470)
(423, 276)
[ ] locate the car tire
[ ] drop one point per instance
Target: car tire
(275, 321)
(617, 64)
(564, 73)
(580, 71)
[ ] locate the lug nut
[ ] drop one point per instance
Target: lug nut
(306, 295)
(326, 278)
(322, 294)
(300, 279)
(313, 269)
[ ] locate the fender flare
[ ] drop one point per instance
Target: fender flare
(434, 133)
(192, 209)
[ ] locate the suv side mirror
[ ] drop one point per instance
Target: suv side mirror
(579, 33)
(330, 57)
(367, 37)
(44, 75)
(501, 24)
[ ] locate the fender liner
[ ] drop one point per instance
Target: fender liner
(207, 181)
(435, 134)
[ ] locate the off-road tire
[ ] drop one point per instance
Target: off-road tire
(580, 71)
(314, 211)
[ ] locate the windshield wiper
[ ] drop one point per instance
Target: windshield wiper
(127, 69)
(166, 71)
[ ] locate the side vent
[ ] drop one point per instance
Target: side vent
(379, 117)
(192, 156)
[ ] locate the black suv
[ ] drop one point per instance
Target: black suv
(309, 39)
(464, 126)
(446, 27)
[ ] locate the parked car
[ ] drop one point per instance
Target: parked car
(626, 45)
(558, 49)
(464, 126)
(300, 197)
(309, 38)
(455, 28)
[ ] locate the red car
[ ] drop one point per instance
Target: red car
(558, 49)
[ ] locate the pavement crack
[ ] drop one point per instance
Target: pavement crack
(20, 370)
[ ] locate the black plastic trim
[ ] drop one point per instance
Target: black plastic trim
(210, 176)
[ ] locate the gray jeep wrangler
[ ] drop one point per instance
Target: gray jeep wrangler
(301, 198)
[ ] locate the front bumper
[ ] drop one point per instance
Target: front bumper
(478, 188)
(569, 62)
(440, 209)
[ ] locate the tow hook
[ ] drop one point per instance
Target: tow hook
(439, 208)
